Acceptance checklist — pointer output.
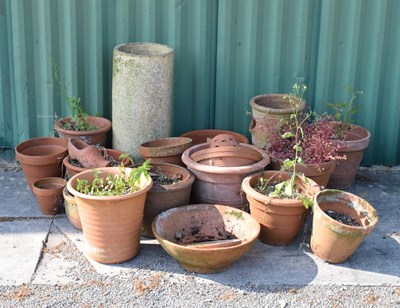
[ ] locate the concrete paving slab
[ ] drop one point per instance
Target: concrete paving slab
(21, 244)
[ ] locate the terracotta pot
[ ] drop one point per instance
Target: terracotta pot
(179, 229)
(41, 157)
(166, 150)
(219, 177)
(98, 136)
(49, 194)
(269, 112)
(331, 240)
(88, 155)
(319, 173)
(280, 219)
(205, 135)
(71, 209)
(357, 140)
(110, 154)
(164, 197)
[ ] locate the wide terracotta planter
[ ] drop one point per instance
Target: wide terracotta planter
(166, 150)
(334, 241)
(97, 136)
(41, 157)
(319, 173)
(205, 238)
(280, 219)
(71, 209)
(220, 171)
(110, 224)
(163, 197)
(49, 194)
(357, 140)
(72, 168)
(270, 112)
(205, 135)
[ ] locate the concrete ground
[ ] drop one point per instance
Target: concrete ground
(42, 250)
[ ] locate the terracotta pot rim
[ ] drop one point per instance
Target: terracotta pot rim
(77, 194)
(41, 159)
(264, 109)
(151, 50)
(190, 163)
(205, 206)
(151, 149)
(188, 179)
(358, 144)
(328, 165)
(91, 119)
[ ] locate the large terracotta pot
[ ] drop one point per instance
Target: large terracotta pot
(334, 241)
(357, 140)
(49, 194)
(269, 112)
(319, 173)
(205, 238)
(41, 157)
(220, 171)
(280, 219)
(110, 224)
(97, 136)
(163, 197)
(166, 150)
(205, 135)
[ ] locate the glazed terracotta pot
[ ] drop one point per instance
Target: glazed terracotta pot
(357, 140)
(41, 157)
(334, 241)
(112, 155)
(220, 171)
(319, 173)
(205, 135)
(166, 150)
(163, 197)
(280, 219)
(110, 224)
(269, 112)
(49, 194)
(205, 238)
(97, 136)
(71, 209)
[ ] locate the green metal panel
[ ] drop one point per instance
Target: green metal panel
(226, 51)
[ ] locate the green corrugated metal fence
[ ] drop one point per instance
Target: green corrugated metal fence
(226, 51)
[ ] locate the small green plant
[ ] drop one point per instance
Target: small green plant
(119, 184)
(78, 120)
(344, 111)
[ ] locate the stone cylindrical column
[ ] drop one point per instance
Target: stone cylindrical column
(141, 95)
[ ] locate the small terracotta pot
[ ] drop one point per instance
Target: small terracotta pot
(49, 194)
(110, 224)
(357, 140)
(166, 150)
(71, 209)
(178, 230)
(280, 219)
(97, 136)
(205, 135)
(319, 173)
(41, 157)
(162, 198)
(334, 241)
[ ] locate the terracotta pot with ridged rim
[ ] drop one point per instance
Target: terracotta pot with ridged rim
(205, 135)
(41, 157)
(49, 194)
(110, 224)
(332, 240)
(280, 219)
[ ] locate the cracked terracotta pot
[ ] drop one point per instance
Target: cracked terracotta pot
(334, 241)
(49, 194)
(205, 135)
(205, 238)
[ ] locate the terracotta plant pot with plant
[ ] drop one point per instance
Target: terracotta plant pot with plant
(172, 185)
(110, 203)
(49, 194)
(41, 157)
(341, 221)
(205, 135)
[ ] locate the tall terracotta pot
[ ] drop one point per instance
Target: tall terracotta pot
(334, 241)
(110, 224)
(41, 157)
(280, 219)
